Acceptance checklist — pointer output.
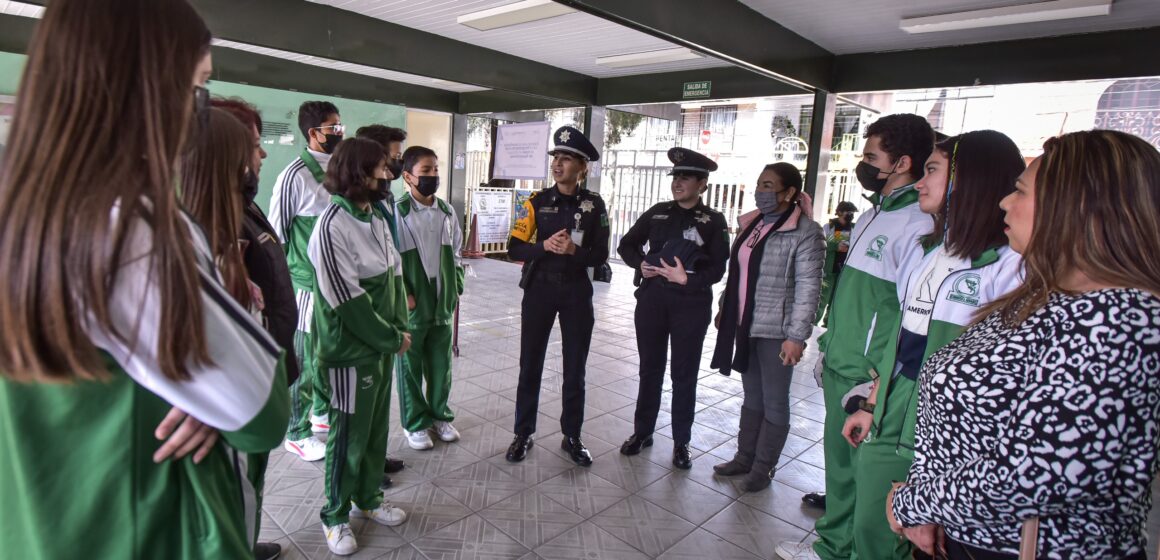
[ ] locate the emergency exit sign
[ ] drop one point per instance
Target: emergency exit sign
(697, 90)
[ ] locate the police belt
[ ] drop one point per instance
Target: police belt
(561, 277)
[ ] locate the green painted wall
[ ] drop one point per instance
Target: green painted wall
(280, 136)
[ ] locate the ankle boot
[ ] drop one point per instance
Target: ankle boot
(769, 445)
(746, 444)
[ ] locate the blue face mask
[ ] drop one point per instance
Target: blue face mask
(766, 201)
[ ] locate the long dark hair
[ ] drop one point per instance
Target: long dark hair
(353, 163)
(983, 167)
(1096, 195)
(103, 109)
(211, 189)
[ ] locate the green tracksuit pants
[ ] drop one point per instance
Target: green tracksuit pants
(878, 464)
(256, 473)
(822, 317)
(427, 362)
(835, 528)
(309, 393)
(356, 449)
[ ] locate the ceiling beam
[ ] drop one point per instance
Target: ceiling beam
(494, 101)
(242, 67)
(315, 29)
(727, 83)
(1107, 55)
(730, 31)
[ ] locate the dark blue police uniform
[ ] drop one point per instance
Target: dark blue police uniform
(664, 310)
(557, 285)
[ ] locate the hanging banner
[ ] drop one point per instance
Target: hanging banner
(521, 151)
(493, 214)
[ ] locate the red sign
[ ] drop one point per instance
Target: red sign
(705, 137)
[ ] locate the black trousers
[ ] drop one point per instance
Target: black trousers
(664, 314)
(547, 297)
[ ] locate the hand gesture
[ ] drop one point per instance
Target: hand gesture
(675, 274)
(182, 435)
(649, 271)
(857, 427)
(791, 352)
(406, 345)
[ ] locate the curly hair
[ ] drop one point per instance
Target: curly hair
(904, 134)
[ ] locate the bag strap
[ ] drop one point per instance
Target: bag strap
(1029, 541)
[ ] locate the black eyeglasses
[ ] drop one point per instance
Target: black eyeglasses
(755, 237)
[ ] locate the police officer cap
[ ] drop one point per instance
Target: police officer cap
(688, 251)
(572, 141)
(687, 161)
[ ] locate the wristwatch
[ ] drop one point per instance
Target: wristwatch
(866, 406)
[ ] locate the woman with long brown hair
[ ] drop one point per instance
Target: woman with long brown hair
(112, 314)
(1047, 406)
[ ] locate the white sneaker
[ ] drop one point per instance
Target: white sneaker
(308, 449)
(445, 431)
(385, 514)
(320, 424)
(340, 540)
(794, 550)
(419, 440)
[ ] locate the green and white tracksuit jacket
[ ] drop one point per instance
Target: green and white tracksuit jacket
(360, 300)
(865, 316)
(298, 200)
(973, 285)
(77, 475)
(430, 240)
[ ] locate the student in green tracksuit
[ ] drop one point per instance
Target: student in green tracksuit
(837, 232)
(961, 266)
(429, 239)
(360, 323)
(133, 388)
(298, 200)
(865, 314)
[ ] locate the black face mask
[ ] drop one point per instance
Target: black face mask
(395, 166)
(868, 177)
(331, 143)
(849, 216)
(250, 187)
(427, 185)
(380, 193)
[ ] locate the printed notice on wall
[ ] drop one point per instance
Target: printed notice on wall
(493, 213)
(521, 151)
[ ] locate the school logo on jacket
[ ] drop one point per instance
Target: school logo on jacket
(966, 290)
(877, 245)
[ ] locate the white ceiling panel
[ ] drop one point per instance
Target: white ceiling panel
(855, 26)
(21, 9)
(349, 67)
(572, 41)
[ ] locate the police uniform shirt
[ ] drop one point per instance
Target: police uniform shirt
(583, 215)
(668, 220)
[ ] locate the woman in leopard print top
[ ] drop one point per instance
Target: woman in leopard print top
(1049, 406)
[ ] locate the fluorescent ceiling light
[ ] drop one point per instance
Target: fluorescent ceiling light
(646, 58)
(1026, 13)
(21, 9)
(513, 14)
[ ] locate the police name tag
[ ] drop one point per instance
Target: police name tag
(549, 210)
(693, 235)
(578, 234)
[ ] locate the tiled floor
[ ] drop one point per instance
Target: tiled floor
(466, 502)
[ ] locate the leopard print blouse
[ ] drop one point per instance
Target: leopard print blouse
(1056, 418)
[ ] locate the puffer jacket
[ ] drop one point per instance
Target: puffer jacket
(784, 298)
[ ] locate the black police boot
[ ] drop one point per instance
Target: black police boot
(681, 458)
(267, 551)
(769, 445)
(634, 444)
(576, 451)
(746, 444)
(518, 450)
(815, 499)
(393, 466)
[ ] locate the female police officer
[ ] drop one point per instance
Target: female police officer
(688, 248)
(558, 234)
